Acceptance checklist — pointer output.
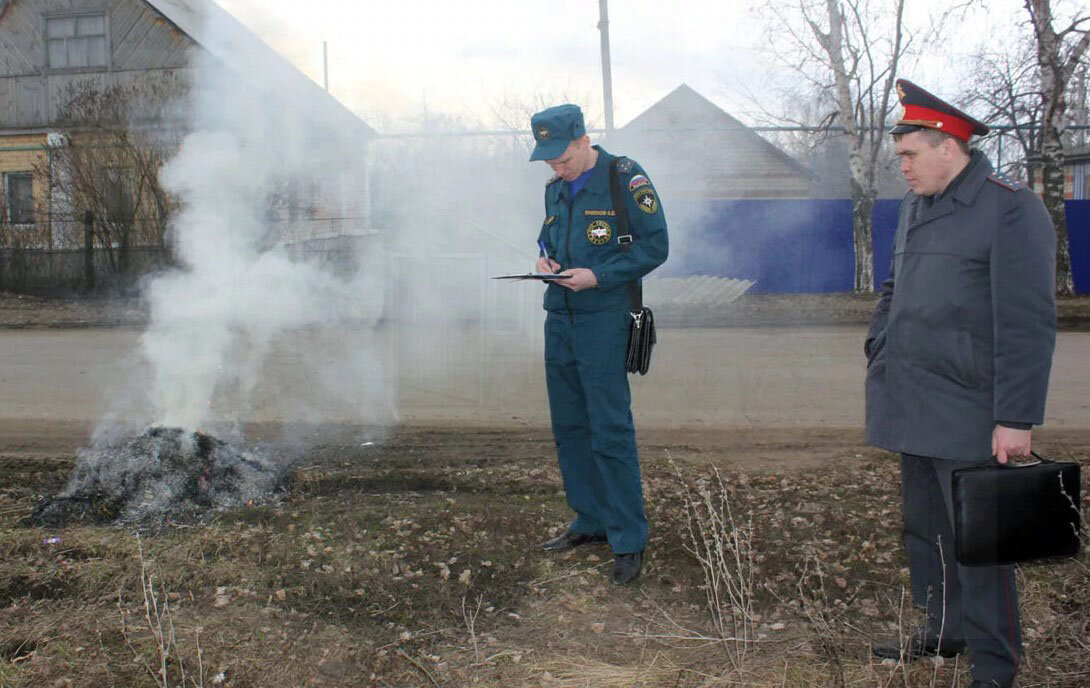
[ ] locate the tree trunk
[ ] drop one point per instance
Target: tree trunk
(1056, 70)
(1053, 197)
(863, 236)
(89, 251)
(124, 256)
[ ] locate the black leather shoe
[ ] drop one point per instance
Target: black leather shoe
(626, 567)
(919, 645)
(569, 539)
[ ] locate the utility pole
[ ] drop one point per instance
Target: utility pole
(325, 65)
(607, 79)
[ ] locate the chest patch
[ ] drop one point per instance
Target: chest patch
(646, 199)
(599, 232)
(638, 181)
(600, 213)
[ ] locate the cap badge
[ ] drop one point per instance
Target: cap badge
(543, 133)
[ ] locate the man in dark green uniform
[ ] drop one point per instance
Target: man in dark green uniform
(958, 358)
(586, 331)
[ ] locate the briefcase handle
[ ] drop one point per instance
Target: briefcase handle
(1039, 461)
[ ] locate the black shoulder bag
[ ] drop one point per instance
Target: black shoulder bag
(641, 331)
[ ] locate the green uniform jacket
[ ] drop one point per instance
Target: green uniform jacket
(962, 337)
(586, 236)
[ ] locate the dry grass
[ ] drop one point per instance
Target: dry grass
(584, 672)
(419, 569)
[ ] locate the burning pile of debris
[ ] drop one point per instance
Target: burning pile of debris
(163, 475)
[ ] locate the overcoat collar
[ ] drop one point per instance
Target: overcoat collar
(965, 188)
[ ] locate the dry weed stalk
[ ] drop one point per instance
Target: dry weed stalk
(160, 625)
(816, 608)
(724, 549)
(470, 620)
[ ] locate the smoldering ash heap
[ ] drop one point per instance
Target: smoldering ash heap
(160, 476)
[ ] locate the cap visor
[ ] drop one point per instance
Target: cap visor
(549, 150)
(905, 128)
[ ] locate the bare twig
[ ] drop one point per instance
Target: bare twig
(401, 653)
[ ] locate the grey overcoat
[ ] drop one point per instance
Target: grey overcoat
(963, 334)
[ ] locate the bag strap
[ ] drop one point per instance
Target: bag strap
(624, 232)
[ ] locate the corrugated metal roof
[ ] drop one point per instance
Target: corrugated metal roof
(242, 51)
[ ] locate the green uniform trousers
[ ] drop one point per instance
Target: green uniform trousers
(590, 404)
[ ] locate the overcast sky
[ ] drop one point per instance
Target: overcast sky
(390, 60)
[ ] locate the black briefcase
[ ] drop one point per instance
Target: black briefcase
(1011, 514)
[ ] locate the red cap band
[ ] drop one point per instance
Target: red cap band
(933, 119)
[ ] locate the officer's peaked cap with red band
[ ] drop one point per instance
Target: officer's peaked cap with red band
(923, 110)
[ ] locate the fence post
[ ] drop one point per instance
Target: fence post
(88, 250)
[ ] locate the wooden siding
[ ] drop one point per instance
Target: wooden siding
(143, 46)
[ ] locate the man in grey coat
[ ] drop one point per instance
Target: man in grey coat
(958, 358)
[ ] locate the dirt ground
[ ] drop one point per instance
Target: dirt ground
(404, 554)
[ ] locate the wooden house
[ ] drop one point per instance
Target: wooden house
(50, 49)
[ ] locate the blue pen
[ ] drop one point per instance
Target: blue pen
(544, 253)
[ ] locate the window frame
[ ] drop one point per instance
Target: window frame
(6, 179)
(101, 12)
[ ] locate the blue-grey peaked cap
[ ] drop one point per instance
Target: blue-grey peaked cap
(555, 128)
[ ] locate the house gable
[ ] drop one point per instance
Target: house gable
(142, 47)
(151, 43)
(705, 153)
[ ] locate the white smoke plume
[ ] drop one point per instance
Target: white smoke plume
(238, 296)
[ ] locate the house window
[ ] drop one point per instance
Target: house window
(19, 198)
(118, 196)
(76, 41)
(1082, 180)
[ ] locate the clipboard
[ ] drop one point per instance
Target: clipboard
(542, 276)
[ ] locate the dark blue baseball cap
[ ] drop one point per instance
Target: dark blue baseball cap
(554, 129)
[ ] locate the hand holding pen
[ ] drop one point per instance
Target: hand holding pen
(545, 264)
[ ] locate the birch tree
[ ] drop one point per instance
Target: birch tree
(850, 51)
(1059, 53)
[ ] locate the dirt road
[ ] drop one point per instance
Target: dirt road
(701, 378)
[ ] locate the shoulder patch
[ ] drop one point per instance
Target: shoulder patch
(555, 178)
(624, 165)
(1006, 182)
(637, 181)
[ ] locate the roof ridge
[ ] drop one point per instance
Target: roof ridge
(231, 42)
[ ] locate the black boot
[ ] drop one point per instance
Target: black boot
(569, 539)
(919, 644)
